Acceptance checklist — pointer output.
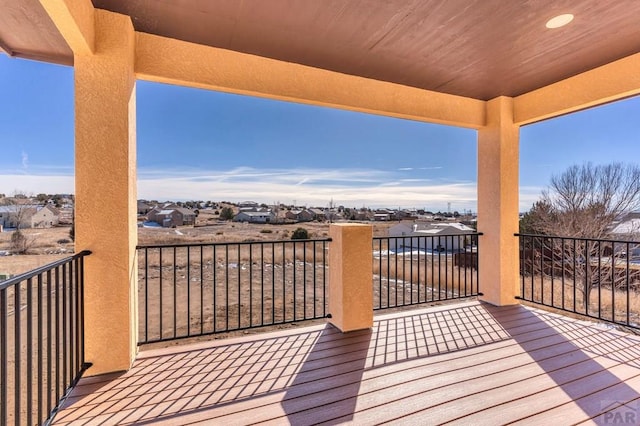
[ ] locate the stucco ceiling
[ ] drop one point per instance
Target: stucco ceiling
(474, 48)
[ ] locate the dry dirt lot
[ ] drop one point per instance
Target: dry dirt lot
(49, 245)
(46, 246)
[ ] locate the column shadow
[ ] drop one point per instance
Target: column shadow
(597, 388)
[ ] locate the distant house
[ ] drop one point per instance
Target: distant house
(405, 214)
(628, 227)
(318, 214)
(248, 206)
(429, 236)
(382, 217)
(300, 215)
(172, 217)
(29, 216)
(45, 217)
(364, 215)
(143, 208)
(254, 217)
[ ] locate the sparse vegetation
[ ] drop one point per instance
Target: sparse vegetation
(226, 213)
(300, 234)
(19, 242)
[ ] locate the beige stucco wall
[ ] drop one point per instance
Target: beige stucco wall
(177, 62)
(106, 192)
(75, 20)
(351, 276)
(498, 203)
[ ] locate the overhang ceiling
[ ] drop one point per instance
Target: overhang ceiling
(474, 48)
(26, 31)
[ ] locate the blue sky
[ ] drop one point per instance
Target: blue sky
(196, 144)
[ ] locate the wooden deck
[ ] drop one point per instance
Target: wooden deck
(467, 363)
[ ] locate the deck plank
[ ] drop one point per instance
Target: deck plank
(468, 363)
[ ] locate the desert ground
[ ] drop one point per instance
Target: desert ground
(49, 245)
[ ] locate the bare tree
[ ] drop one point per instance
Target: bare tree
(582, 203)
(21, 210)
(585, 200)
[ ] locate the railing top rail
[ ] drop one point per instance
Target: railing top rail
(429, 236)
(205, 244)
(23, 277)
(605, 240)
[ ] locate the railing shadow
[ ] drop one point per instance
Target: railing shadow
(319, 374)
(598, 388)
(168, 384)
(395, 338)
(313, 375)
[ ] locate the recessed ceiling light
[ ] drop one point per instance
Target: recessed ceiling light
(559, 21)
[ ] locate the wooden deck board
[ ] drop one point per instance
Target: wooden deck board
(467, 363)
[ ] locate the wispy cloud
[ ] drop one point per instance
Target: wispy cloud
(406, 169)
(349, 187)
(303, 181)
(25, 161)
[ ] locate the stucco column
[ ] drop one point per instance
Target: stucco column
(105, 216)
(351, 276)
(498, 203)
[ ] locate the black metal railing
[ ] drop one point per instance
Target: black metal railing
(41, 340)
(597, 278)
(421, 269)
(200, 289)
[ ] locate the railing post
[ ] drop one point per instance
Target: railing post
(351, 276)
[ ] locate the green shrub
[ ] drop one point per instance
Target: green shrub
(226, 213)
(300, 234)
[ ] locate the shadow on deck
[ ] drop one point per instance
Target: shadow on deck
(470, 362)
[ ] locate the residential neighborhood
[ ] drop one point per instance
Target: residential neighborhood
(52, 210)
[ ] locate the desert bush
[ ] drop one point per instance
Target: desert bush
(300, 234)
(266, 231)
(226, 213)
(63, 241)
(20, 244)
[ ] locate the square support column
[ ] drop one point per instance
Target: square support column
(105, 216)
(498, 213)
(351, 276)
